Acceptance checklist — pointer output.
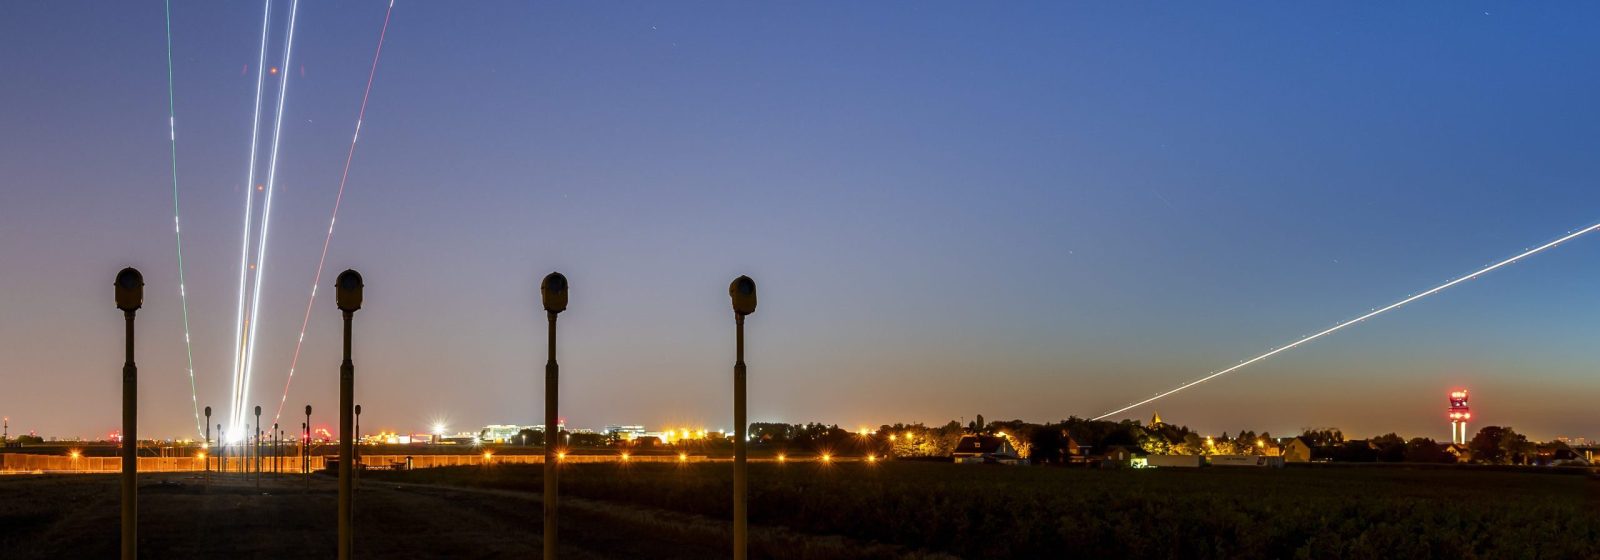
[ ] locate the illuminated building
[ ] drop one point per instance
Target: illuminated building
(1459, 414)
(505, 433)
(623, 432)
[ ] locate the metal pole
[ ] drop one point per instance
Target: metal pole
(305, 448)
(130, 296)
(130, 448)
(741, 477)
(348, 296)
(257, 447)
(553, 293)
(743, 293)
(347, 381)
(356, 449)
(208, 443)
(552, 431)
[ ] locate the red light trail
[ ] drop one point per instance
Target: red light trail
(350, 155)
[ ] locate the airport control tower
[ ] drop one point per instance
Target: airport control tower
(1460, 413)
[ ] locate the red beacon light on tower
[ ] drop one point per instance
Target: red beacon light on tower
(1459, 414)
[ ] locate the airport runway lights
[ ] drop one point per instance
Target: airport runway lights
(348, 289)
(553, 293)
(130, 297)
(743, 293)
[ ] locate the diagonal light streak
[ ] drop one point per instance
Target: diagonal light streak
(361, 116)
(177, 224)
(1335, 328)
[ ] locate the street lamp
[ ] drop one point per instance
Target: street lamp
(348, 297)
(743, 293)
(130, 297)
(553, 293)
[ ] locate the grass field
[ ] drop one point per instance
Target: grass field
(1009, 512)
(810, 510)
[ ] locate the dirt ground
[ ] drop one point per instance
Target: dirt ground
(187, 516)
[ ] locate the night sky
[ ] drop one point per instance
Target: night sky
(1027, 210)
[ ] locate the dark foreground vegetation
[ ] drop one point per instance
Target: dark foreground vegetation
(1010, 512)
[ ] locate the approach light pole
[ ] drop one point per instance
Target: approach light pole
(553, 292)
(348, 289)
(130, 296)
(357, 449)
(257, 447)
(207, 446)
(743, 293)
(305, 447)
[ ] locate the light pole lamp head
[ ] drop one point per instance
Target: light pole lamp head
(130, 289)
(258, 410)
(308, 410)
(208, 412)
(347, 291)
(553, 289)
(743, 293)
(358, 410)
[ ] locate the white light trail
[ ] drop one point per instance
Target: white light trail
(338, 198)
(177, 228)
(236, 402)
(266, 211)
(1437, 289)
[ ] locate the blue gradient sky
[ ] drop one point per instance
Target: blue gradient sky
(1027, 210)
